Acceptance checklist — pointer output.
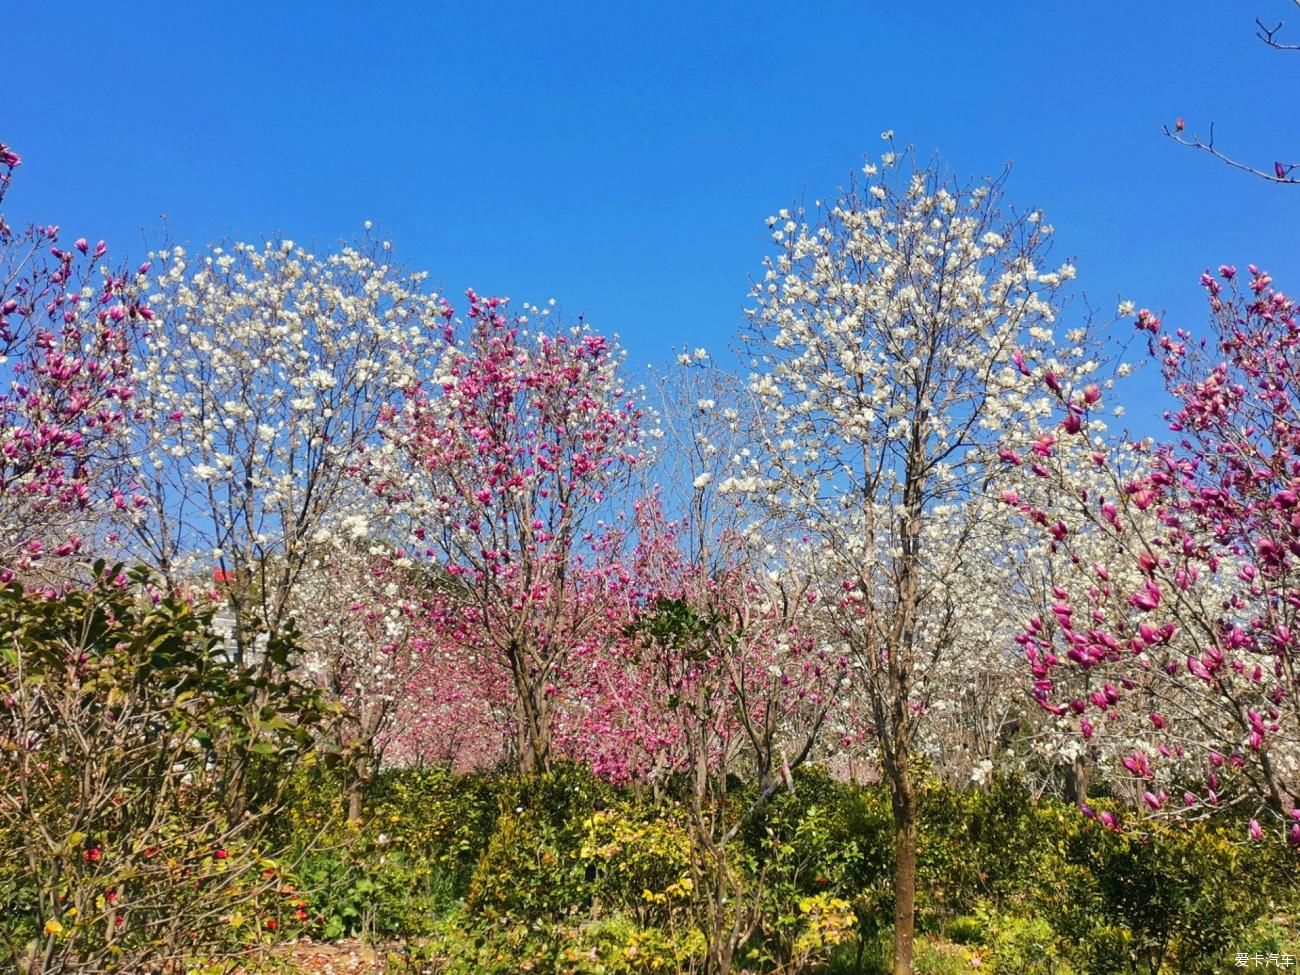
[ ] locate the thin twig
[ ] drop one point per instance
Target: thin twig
(1288, 173)
(1269, 34)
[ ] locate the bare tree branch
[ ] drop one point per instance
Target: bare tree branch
(1269, 34)
(1286, 173)
(1282, 172)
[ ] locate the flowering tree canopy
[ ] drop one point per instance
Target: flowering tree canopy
(266, 371)
(65, 327)
(894, 336)
(1193, 613)
(503, 460)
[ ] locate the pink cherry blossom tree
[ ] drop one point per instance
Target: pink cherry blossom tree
(503, 461)
(455, 709)
(685, 534)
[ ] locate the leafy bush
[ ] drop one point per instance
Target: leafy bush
(826, 837)
(1172, 896)
(404, 865)
(564, 873)
(967, 930)
(613, 945)
(1022, 946)
(532, 865)
(432, 814)
(641, 865)
(140, 774)
(976, 845)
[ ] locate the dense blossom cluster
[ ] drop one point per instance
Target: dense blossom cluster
(66, 323)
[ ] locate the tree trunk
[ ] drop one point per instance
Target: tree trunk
(356, 788)
(905, 840)
(1076, 782)
(534, 738)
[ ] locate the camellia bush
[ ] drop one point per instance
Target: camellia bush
(139, 775)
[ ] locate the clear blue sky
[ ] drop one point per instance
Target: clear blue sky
(622, 157)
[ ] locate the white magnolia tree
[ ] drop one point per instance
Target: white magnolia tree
(893, 337)
(359, 608)
(262, 379)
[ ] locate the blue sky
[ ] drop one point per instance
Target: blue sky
(622, 158)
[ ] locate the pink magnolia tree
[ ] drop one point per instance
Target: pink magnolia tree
(1190, 618)
(1051, 560)
(455, 709)
(729, 673)
(686, 534)
(66, 321)
(502, 462)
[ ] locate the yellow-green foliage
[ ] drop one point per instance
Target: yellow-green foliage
(642, 863)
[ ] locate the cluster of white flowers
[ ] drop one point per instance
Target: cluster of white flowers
(897, 343)
(259, 385)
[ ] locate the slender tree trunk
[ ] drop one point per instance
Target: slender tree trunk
(898, 751)
(524, 742)
(905, 846)
(356, 788)
(534, 733)
(366, 758)
(1076, 782)
(532, 712)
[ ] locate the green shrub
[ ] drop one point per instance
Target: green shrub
(642, 865)
(975, 845)
(1174, 895)
(403, 865)
(827, 837)
(141, 773)
(613, 945)
(432, 813)
(967, 930)
(532, 865)
(934, 957)
(1022, 946)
